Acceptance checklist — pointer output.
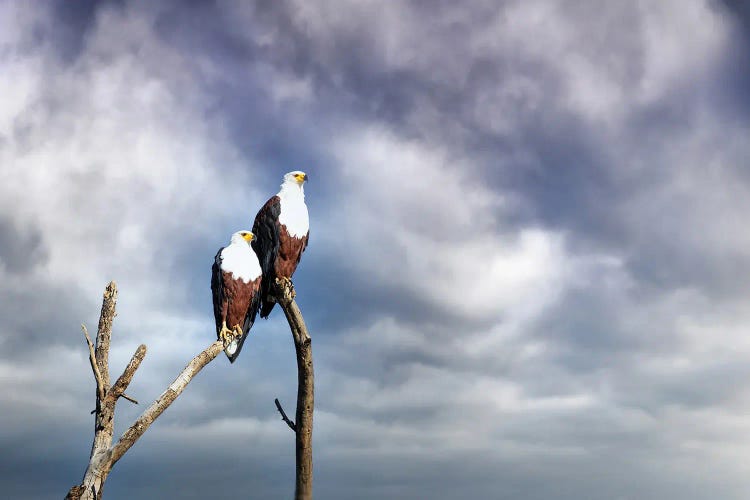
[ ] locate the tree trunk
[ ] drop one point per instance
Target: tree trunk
(305, 392)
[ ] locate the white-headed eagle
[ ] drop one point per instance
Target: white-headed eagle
(235, 283)
(281, 229)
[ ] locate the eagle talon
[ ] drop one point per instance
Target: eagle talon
(286, 285)
(226, 335)
(236, 278)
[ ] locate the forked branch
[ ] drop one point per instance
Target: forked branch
(103, 454)
(94, 366)
(135, 431)
(284, 417)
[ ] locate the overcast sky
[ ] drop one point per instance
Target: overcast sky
(528, 263)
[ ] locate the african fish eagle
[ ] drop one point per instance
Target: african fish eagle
(235, 283)
(281, 228)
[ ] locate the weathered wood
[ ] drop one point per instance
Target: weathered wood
(123, 381)
(104, 332)
(284, 417)
(103, 454)
(284, 293)
(96, 472)
(135, 431)
(132, 400)
(94, 365)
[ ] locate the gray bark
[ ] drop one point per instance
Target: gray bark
(303, 426)
(104, 454)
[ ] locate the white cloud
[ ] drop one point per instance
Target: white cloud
(116, 161)
(562, 355)
(440, 231)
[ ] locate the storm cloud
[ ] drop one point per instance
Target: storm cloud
(527, 263)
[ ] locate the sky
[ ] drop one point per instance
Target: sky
(528, 259)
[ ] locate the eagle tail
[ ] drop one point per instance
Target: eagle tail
(265, 309)
(234, 348)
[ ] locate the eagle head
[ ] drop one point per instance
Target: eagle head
(297, 177)
(243, 236)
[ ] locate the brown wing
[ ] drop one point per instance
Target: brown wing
(217, 290)
(238, 296)
(266, 246)
(290, 252)
(250, 314)
(243, 302)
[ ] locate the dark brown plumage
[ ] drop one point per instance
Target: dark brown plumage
(278, 247)
(235, 284)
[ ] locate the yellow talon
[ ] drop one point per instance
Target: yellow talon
(285, 284)
(237, 331)
(225, 334)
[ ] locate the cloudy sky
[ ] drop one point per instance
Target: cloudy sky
(528, 266)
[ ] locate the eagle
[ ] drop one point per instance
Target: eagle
(281, 229)
(235, 284)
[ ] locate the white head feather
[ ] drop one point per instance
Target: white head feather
(239, 258)
(292, 199)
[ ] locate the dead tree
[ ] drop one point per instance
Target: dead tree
(284, 293)
(104, 454)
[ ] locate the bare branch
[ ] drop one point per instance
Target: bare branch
(284, 417)
(104, 332)
(284, 292)
(131, 435)
(94, 366)
(124, 380)
(132, 400)
(104, 455)
(97, 470)
(103, 458)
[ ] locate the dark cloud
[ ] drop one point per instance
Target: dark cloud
(73, 24)
(21, 248)
(580, 124)
(36, 314)
(729, 92)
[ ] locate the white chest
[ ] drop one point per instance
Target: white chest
(294, 215)
(241, 261)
